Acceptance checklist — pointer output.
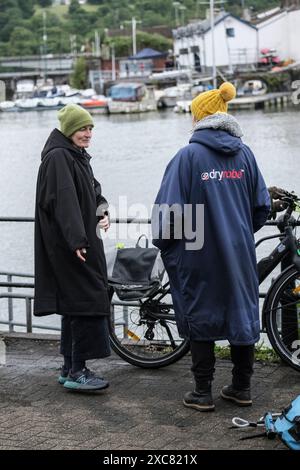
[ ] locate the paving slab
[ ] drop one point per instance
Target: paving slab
(142, 409)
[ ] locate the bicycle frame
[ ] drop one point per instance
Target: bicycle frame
(283, 251)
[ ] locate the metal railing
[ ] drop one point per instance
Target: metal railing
(28, 297)
(10, 283)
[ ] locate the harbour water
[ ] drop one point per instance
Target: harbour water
(130, 153)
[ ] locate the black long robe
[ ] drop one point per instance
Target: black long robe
(67, 197)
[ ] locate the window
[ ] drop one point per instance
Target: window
(230, 33)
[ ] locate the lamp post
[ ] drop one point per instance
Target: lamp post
(182, 8)
(45, 43)
(176, 5)
(97, 44)
(113, 63)
(133, 22)
(213, 51)
(212, 27)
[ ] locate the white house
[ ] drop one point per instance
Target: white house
(281, 31)
(236, 42)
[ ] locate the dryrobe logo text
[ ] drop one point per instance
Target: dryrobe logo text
(222, 175)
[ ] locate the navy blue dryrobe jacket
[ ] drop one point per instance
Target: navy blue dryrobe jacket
(215, 288)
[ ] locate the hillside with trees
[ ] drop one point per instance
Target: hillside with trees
(29, 27)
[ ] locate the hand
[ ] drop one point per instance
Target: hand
(104, 223)
(276, 193)
(279, 206)
(80, 254)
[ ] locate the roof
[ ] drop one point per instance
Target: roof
(202, 27)
(148, 53)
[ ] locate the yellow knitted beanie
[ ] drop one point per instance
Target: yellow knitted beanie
(213, 101)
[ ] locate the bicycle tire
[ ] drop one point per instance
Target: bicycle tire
(139, 352)
(281, 311)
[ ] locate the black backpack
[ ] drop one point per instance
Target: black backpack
(134, 272)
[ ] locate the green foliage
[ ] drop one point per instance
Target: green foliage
(262, 353)
(45, 3)
(79, 76)
(26, 7)
(254, 5)
(123, 44)
(25, 16)
(22, 42)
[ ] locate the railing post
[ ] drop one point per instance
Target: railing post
(28, 315)
(10, 307)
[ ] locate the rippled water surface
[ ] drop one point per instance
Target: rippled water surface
(130, 154)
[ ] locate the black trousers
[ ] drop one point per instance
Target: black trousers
(203, 359)
(84, 338)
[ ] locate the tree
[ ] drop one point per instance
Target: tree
(22, 42)
(79, 76)
(8, 21)
(45, 3)
(26, 7)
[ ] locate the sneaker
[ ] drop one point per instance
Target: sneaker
(199, 401)
(63, 375)
(240, 397)
(85, 380)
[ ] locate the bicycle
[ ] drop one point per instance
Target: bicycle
(145, 335)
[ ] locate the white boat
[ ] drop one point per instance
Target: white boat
(27, 103)
(252, 88)
(171, 95)
(131, 98)
(96, 104)
(64, 100)
(7, 106)
(49, 102)
(183, 106)
(182, 92)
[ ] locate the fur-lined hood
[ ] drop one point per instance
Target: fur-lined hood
(220, 121)
(220, 132)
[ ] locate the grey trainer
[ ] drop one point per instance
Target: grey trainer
(85, 380)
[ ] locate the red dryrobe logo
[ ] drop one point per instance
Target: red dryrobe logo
(222, 175)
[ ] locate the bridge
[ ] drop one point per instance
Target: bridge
(56, 66)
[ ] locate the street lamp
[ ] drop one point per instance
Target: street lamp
(133, 23)
(182, 8)
(212, 27)
(45, 43)
(113, 62)
(176, 5)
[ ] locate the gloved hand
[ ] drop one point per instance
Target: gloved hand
(279, 206)
(276, 205)
(276, 193)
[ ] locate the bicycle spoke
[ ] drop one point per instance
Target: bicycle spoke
(147, 335)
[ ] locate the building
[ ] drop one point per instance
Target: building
(281, 31)
(143, 64)
(236, 43)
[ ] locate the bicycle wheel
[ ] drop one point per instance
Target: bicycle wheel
(146, 335)
(282, 314)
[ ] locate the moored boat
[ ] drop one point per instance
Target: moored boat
(131, 98)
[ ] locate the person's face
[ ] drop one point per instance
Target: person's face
(82, 137)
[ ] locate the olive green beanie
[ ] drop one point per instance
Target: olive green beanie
(72, 118)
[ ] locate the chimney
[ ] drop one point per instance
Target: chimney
(246, 14)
